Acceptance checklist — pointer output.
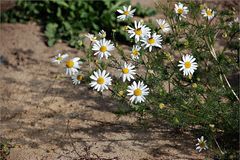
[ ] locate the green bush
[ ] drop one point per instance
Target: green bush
(65, 20)
(205, 102)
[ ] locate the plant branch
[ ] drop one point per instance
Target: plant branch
(213, 53)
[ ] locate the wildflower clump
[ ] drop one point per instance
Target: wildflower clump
(171, 69)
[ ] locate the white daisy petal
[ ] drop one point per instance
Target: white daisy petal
(100, 80)
(127, 72)
(139, 31)
(126, 13)
(209, 13)
(181, 10)
(59, 58)
(72, 66)
(103, 48)
(201, 144)
(150, 41)
(163, 25)
(137, 91)
(91, 37)
(188, 65)
(77, 78)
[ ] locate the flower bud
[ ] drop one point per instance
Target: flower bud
(194, 85)
(162, 105)
(120, 93)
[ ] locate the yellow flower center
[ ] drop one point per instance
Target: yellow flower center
(59, 58)
(69, 64)
(161, 105)
(125, 70)
(187, 64)
(180, 11)
(209, 12)
(202, 144)
(100, 80)
(137, 92)
(138, 31)
(135, 52)
(161, 26)
(194, 85)
(151, 40)
(126, 13)
(79, 77)
(103, 49)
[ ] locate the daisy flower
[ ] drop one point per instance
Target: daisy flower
(209, 13)
(77, 78)
(91, 37)
(201, 144)
(139, 31)
(125, 13)
(135, 52)
(236, 20)
(188, 65)
(163, 25)
(152, 41)
(100, 80)
(72, 66)
(127, 72)
(102, 34)
(103, 48)
(59, 58)
(138, 91)
(181, 10)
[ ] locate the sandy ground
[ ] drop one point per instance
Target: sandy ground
(46, 117)
(49, 118)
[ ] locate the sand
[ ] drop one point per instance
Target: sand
(44, 116)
